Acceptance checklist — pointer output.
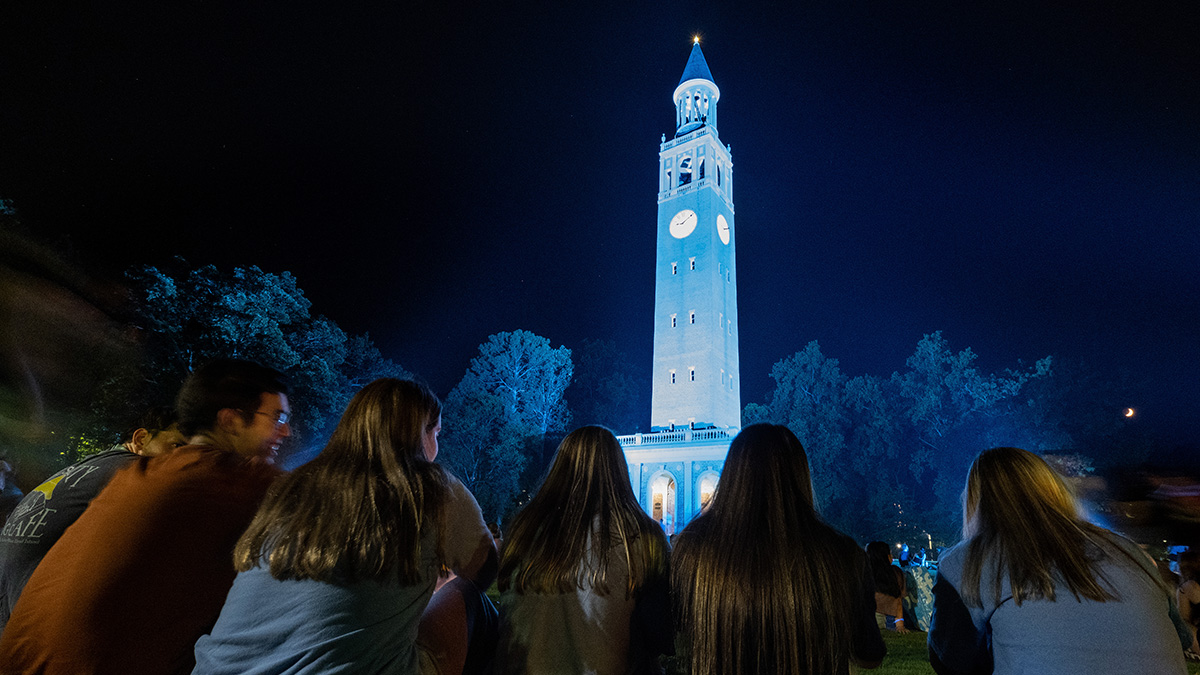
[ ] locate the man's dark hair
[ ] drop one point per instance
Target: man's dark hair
(220, 384)
(155, 420)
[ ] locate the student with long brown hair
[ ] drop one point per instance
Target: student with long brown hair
(583, 579)
(338, 565)
(761, 583)
(1033, 587)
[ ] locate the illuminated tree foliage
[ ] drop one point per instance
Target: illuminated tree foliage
(188, 317)
(497, 418)
(889, 455)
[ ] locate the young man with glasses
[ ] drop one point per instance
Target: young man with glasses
(145, 570)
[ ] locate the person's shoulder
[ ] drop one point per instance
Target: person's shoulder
(202, 462)
(118, 456)
(456, 492)
(845, 545)
(950, 561)
(1124, 543)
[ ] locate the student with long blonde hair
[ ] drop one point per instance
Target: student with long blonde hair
(1033, 587)
(583, 577)
(338, 565)
(761, 583)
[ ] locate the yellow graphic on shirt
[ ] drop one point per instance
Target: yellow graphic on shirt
(47, 488)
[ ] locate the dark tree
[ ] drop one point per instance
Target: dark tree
(606, 390)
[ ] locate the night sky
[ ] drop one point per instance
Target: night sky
(1024, 177)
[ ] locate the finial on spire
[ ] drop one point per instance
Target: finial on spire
(695, 39)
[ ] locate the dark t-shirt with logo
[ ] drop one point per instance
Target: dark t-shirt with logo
(44, 514)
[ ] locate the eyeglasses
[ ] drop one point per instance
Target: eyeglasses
(279, 418)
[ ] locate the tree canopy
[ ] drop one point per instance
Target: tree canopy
(888, 454)
(190, 316)
(497, 418)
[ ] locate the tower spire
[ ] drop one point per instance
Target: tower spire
(697, 67)
(696, 95)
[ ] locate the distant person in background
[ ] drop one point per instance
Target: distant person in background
(583, 581)
(46, 512)
(761, 583)
(1033, 588)
(338, 566)
(1188, 596)
(890, 589)
(10, 494)
(143, 573)
(497, 535)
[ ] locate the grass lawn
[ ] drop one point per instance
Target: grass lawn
(907, 655)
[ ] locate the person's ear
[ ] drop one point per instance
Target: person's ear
(228, 419)
(137, 442)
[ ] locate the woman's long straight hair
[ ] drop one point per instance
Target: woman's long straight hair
(762, 584)
(1020, 516)
(358, 509)
(586, 497)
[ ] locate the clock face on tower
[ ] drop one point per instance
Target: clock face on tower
(683, 223)
(722, 228)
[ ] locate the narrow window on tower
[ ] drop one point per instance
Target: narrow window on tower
(701, 168)
(720, 319)
(685, 170)
(674, 268)
(692, 262)
(691, 317)
(672, 377)
(728, 324)
(692, 374)
(718, 175)
(672, 321)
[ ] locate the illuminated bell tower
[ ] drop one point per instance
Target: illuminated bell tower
(696, 380)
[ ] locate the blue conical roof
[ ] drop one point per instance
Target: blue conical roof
(697, 67)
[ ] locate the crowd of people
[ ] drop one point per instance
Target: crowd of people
(186, 550)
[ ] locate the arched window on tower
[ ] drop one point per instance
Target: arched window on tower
(685, 171)
(701, 168)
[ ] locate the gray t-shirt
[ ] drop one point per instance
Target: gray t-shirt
(44, 514)
(1133, 634)
(272, 626)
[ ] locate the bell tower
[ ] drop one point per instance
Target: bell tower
(696, 382)
(696, 403)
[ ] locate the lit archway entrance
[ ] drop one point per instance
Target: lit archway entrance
(662, 501)
(705, 487)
